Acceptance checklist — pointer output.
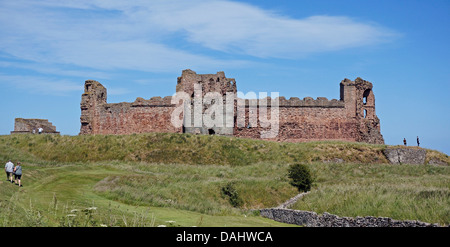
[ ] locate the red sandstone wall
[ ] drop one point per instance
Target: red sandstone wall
(127, 120)
(315, 124)
(299, 120)
(306, 124)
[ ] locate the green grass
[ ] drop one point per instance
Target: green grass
(50, 194)
(198, 188)
(183, 149)
(188, 149)
(176, 180)
(402, 192)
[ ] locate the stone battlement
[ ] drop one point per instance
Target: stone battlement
(296, 102)
(153, 102)
(351, 118)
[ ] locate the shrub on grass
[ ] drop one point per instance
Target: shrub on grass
(300, 177)
(233, 197)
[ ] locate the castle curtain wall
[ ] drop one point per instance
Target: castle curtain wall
(350, 118)
(126, 119)
(319, 120)
(141, 116)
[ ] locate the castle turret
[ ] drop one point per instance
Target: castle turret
(348, 96)
(199, 87)
(94, 95)
(360, 104)
(209, 82)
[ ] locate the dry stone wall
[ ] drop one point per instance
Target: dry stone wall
(312, 219)
(282, 213)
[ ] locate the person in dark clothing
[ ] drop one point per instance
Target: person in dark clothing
(418, 143)
(18, 174)
(404, 141)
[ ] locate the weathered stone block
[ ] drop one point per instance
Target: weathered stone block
(405, 155)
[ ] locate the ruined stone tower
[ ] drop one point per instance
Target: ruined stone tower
(360, 104)
(207, 85)
(93, 97)
(31, 126)
(350, 118)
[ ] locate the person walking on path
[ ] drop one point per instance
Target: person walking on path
(18, 174)
(9, 169)
(418, 143)
(404, 141)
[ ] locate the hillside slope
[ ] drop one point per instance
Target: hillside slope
(190, 149)
(161, 178)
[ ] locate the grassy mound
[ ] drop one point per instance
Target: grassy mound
(188, 149)
(156, 178)
(407, 192)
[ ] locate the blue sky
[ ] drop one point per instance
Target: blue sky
(49, 48)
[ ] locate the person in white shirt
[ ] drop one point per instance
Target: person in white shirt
(9, 171)
(40, 130)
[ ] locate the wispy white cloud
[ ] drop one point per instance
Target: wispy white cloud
(93, 38)
(41, 85)
(237, 27)
(156, 36)
(45, 85)
(49, 69)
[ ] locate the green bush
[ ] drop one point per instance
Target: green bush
(233, 197)
(300, 177)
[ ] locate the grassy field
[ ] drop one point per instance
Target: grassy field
(407, 192)
(178, 180)
(75, 194)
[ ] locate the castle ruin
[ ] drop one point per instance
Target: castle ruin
(351, 118)
(31, 126)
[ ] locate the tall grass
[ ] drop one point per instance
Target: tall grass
(16, 214)
(187, 149)
(403, 192)
(188, 172)
(198, 188)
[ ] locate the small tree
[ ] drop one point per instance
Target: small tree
(301, 177)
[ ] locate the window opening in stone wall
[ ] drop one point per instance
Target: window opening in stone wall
(365, 113)
(211, 132)
(365, 95)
